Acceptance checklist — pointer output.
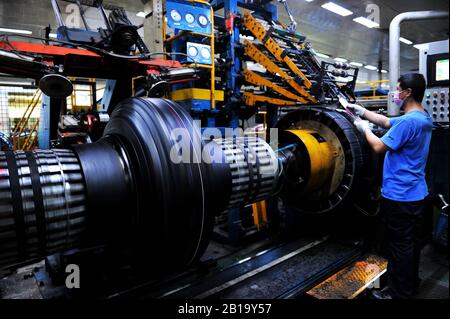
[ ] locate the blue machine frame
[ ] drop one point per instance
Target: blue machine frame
(234, 234)
(195, 18)
(231, 9)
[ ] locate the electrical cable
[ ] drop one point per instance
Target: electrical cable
(104, 52)
(89, 48)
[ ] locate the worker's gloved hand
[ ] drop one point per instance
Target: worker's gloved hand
(361, 125)
(357, 109)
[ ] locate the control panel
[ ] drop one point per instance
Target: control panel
(200, 53)
(195, 17)
(433, 64)
(436, 103)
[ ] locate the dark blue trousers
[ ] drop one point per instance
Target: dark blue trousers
(401, 221)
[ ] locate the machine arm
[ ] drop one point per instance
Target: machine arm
(292, 27)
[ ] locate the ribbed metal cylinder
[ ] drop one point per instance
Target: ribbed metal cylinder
(42, 203)
(254, 169)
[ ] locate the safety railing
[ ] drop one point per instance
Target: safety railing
(24, 139)
(372, 86)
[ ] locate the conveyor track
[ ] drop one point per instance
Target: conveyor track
(280, 271)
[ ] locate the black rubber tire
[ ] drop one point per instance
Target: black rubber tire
(175, 203)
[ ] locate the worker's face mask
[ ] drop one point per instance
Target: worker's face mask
(397, 100)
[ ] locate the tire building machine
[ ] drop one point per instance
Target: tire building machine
(123, 202)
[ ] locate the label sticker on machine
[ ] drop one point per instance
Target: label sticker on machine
(189, 16)
(200, 53)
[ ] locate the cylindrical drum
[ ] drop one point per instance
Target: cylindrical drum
(42, 203)
(254, 169)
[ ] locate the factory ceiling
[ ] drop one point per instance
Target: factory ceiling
(332, 34)
(340, 36)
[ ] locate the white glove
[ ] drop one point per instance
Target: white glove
(357, 109)
(361, 125)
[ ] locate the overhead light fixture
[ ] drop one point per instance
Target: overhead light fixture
(384, 71)
(309, 0)
(406, 41)
(356, 64)
(370, 67)
(15, 83)
(421, 46)
(366, 22)
(321, 55)
(340, 59)
(52, 35)
(141, 14)
(15, 31)
(333, 7)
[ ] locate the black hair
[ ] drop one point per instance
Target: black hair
(416, 82)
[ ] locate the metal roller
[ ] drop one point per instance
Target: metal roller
(254, 169)
(42, 203)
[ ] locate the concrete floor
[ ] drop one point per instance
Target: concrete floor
(434, 273)
(434, 268)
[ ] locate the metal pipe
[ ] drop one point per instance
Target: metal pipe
(58, 15)
(394, 49)
(80, 8)
(101, 9)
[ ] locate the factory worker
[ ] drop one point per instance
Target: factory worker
(404, 188)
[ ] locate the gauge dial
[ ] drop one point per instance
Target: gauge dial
(192, 51)
(206, 53)
(202, 20)
(175, 15)
(189, 18)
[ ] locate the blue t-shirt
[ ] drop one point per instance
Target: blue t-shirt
(408, 140)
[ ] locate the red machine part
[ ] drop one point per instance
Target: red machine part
(85, 63)
(229, 22)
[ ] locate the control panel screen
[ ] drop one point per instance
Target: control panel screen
(437, 70)
(442, 70)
